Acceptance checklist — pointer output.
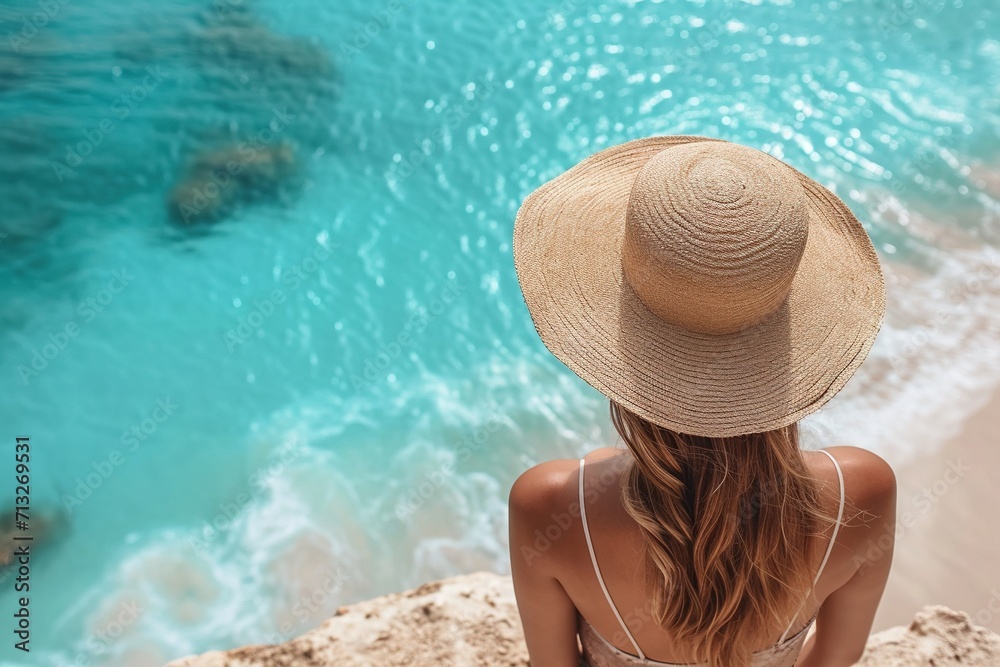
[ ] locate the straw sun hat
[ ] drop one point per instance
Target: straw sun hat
(706, 286)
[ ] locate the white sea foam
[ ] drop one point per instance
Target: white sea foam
(936, 360)
(328, 520)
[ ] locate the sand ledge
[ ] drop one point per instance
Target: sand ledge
(472, 620)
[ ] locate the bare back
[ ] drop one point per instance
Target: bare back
(846, 594)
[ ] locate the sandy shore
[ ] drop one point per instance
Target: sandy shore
(472, 620)
(948, 550)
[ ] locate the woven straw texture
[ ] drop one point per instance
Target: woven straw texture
(706, 286)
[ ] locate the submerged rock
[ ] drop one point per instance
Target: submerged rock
(227, 35)
(220, 181)
(15, 70)
(28, 226)
(233, 47)
(42, 527)
(252, 46)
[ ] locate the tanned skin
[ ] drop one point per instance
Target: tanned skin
(554, 579)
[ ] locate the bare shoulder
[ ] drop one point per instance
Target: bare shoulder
(552, 482)
(543, 486)
(869, 480)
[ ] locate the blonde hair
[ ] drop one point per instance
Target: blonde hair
(727, 525)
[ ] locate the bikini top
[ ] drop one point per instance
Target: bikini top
(599, 652)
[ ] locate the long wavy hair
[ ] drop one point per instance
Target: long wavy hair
(727, 525)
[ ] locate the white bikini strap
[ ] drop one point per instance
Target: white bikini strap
(597, 570)
(836, 529)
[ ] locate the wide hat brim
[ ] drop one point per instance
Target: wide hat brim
(568, 239)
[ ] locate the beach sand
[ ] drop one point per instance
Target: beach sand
(948, 545)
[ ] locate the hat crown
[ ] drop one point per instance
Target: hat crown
(714, 233)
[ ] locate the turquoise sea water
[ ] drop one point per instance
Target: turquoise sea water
(322, 390)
